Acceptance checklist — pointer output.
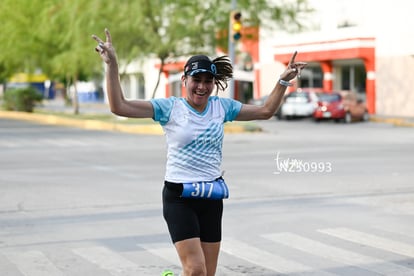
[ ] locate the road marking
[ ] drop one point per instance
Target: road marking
(371, 240)
(9, 144)
(167, 252)
(396, 230)
(107, 260)
(164, 251)
(33, 263)
(337, 254)
(265, 259)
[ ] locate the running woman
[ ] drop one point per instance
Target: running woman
(194, 188)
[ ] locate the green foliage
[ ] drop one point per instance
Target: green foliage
(22, 99)
(55, 35)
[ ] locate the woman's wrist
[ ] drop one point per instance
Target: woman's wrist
(284, 83)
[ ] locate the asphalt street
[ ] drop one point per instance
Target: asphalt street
(305, 199)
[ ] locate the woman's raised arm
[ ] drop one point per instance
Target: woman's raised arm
(117, 102)
(268, 109)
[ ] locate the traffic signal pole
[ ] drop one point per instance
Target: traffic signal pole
(231, 47)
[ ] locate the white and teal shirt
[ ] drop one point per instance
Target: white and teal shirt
(194, 139)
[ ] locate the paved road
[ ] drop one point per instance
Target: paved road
(306, 199)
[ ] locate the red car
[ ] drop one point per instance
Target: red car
(344, 106)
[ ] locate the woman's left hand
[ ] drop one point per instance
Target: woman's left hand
(293, 69)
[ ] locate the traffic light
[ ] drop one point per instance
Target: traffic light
(235, 25)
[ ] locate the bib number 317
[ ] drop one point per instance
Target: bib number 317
(216, 189)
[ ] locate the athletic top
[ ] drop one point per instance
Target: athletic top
(194, 139)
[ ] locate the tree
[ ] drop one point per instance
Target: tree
(66, 27)
(54, 35)
(51, 35)
(17, 37)
(173, 28)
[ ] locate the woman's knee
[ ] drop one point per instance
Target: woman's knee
(192, 257)
(195, 268)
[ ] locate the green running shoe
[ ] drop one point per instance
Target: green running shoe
(167, 273)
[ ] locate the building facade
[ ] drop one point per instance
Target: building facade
(362, 45)
(366, 46)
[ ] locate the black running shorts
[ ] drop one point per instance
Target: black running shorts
(190, 218)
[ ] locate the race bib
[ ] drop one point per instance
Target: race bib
(216, 189)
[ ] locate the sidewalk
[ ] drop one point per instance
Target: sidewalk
(117, 124)
(58, 106)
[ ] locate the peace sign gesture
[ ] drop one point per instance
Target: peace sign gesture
(105, 49)
(293, 69)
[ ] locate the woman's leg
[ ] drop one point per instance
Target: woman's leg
(192, 257)
(195, 229)
(211, 252)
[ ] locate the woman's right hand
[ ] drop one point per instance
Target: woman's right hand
(105, 49)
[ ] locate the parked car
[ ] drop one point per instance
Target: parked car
(261, 101)
(343, 106)
(301, 103)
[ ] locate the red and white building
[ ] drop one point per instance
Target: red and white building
(362, 45)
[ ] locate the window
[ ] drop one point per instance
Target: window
(311, 77)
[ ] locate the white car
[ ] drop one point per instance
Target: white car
(261, 101)
(299, 104)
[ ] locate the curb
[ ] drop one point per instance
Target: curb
(151, 129)
(393, 121)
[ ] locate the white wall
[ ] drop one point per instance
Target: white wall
(391, 22)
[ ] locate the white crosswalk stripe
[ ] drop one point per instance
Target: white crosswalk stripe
(34, 263)
(265, 259)
(337, 254)
(401, 231)
(9, 144)
(371, 240)
(308, 255)
(110, 261)
(168, 253)
(162, 250)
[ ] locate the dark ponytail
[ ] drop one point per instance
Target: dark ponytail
(224, 72)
